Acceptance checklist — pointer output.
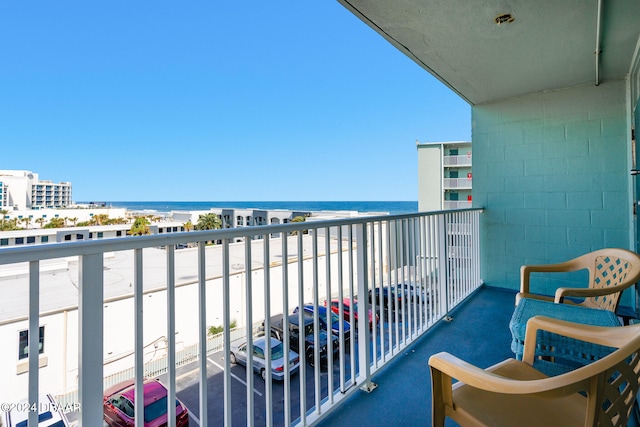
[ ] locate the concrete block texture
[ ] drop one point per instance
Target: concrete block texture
(553, 165)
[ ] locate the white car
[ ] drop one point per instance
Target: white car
(238, 354)
(50, 414)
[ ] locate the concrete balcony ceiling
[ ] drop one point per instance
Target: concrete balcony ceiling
(548, 45)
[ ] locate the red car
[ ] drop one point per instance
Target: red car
(118, 405)
(346, 304)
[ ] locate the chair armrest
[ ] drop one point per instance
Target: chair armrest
(601, 335)
(561, 293)
(449, 366)
(526, 270)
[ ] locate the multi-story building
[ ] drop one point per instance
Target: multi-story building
(444, 175)
(4, 195)
(21, 190)
(46, 194)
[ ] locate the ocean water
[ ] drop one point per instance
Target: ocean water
(372, 206)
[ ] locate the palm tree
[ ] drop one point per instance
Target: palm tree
(188, 225)
(27, 221)
(40, 221)
(74, 220)
(140, 226)
(3, 212)
(209, 221)
(55, 223)
(100, 219)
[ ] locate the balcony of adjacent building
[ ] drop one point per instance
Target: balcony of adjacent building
(458, 183)
(457, 160)
(457, 199)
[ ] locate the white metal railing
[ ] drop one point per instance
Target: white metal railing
(424, 263)
(457, 183)
(457, 160)
(457, 204)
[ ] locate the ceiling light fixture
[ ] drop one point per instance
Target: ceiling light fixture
(505, 18)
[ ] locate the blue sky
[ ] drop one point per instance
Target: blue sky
(214, 101)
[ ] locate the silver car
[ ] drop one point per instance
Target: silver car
(238, 354)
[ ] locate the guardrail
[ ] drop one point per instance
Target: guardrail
(410, 270)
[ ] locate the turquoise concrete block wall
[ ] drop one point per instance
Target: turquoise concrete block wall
(552, 171)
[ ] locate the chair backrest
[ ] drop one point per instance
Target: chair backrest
(610, 267)
(619, 392)
(614, 380)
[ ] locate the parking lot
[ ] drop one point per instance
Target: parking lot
(188, 387)
(188, 390)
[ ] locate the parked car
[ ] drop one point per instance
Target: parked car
(277, 331)
(412, 292)
(238, 355)
(118, 406)
(389, 295)
(347, 307)
(50, 414)
(335, 321)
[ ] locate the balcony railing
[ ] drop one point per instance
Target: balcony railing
(457, 183)
(457, 204)
(457, 160)
(127, 292)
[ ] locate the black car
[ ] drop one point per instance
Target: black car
(277, 331)
(414, 292)
(388, 296)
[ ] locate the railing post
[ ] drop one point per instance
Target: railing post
(443, 272)
(91, 331)
(138, 298)
(364, 356)
(34, 339)
(171, 336)
(202, 331)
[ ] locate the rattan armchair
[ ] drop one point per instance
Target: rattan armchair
(611, 271)
(513, 393)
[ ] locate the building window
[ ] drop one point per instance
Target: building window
(100, 234)
(4, 242)
(44, 239)
(67, 237)
(19, 240)
(119, 233)
(23, 343)
(31, 239)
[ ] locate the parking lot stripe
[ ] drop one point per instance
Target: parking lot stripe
(193, 417)
(233, 375)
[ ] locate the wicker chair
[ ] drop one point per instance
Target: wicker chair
(611, 271)
(513, 393)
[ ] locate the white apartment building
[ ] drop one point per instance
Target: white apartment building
(22, 190)
(444, 175)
